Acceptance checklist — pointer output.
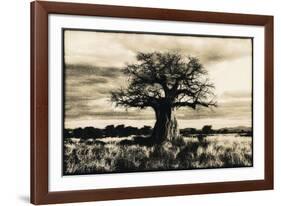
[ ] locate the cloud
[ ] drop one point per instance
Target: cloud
(208, 49)
(115, 49)
(236, 94)
(94, 80)
(105, 115)
(88, 97)
(225, 110)
(87, 69)
(94, 62)
(87, 89)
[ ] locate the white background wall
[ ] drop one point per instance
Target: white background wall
(14, 101)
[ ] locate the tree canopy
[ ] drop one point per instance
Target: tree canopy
(165, 78)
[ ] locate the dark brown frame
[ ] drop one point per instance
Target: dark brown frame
(39, 102)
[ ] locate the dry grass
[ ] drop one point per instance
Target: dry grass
(106, 156)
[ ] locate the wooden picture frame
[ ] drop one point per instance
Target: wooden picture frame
(39, 102)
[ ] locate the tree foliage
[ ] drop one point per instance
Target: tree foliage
(165, 78)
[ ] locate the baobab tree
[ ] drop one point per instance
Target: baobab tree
(165, 82)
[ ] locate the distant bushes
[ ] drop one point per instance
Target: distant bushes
(108, 131)
(123, 131)
(207, 129)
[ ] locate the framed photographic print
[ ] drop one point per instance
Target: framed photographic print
(131, 102)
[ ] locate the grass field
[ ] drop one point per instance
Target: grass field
(109, 155)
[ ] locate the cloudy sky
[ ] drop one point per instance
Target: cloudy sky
(93, 68)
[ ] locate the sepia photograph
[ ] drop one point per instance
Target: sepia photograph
(139, 102)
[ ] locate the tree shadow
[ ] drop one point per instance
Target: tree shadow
(139, 140)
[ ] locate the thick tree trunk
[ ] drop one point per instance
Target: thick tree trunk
(166, 127)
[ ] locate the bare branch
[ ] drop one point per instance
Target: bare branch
(165, 77)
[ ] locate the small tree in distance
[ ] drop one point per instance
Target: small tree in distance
(165, 81)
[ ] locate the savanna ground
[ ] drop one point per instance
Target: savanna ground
(116, 154)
